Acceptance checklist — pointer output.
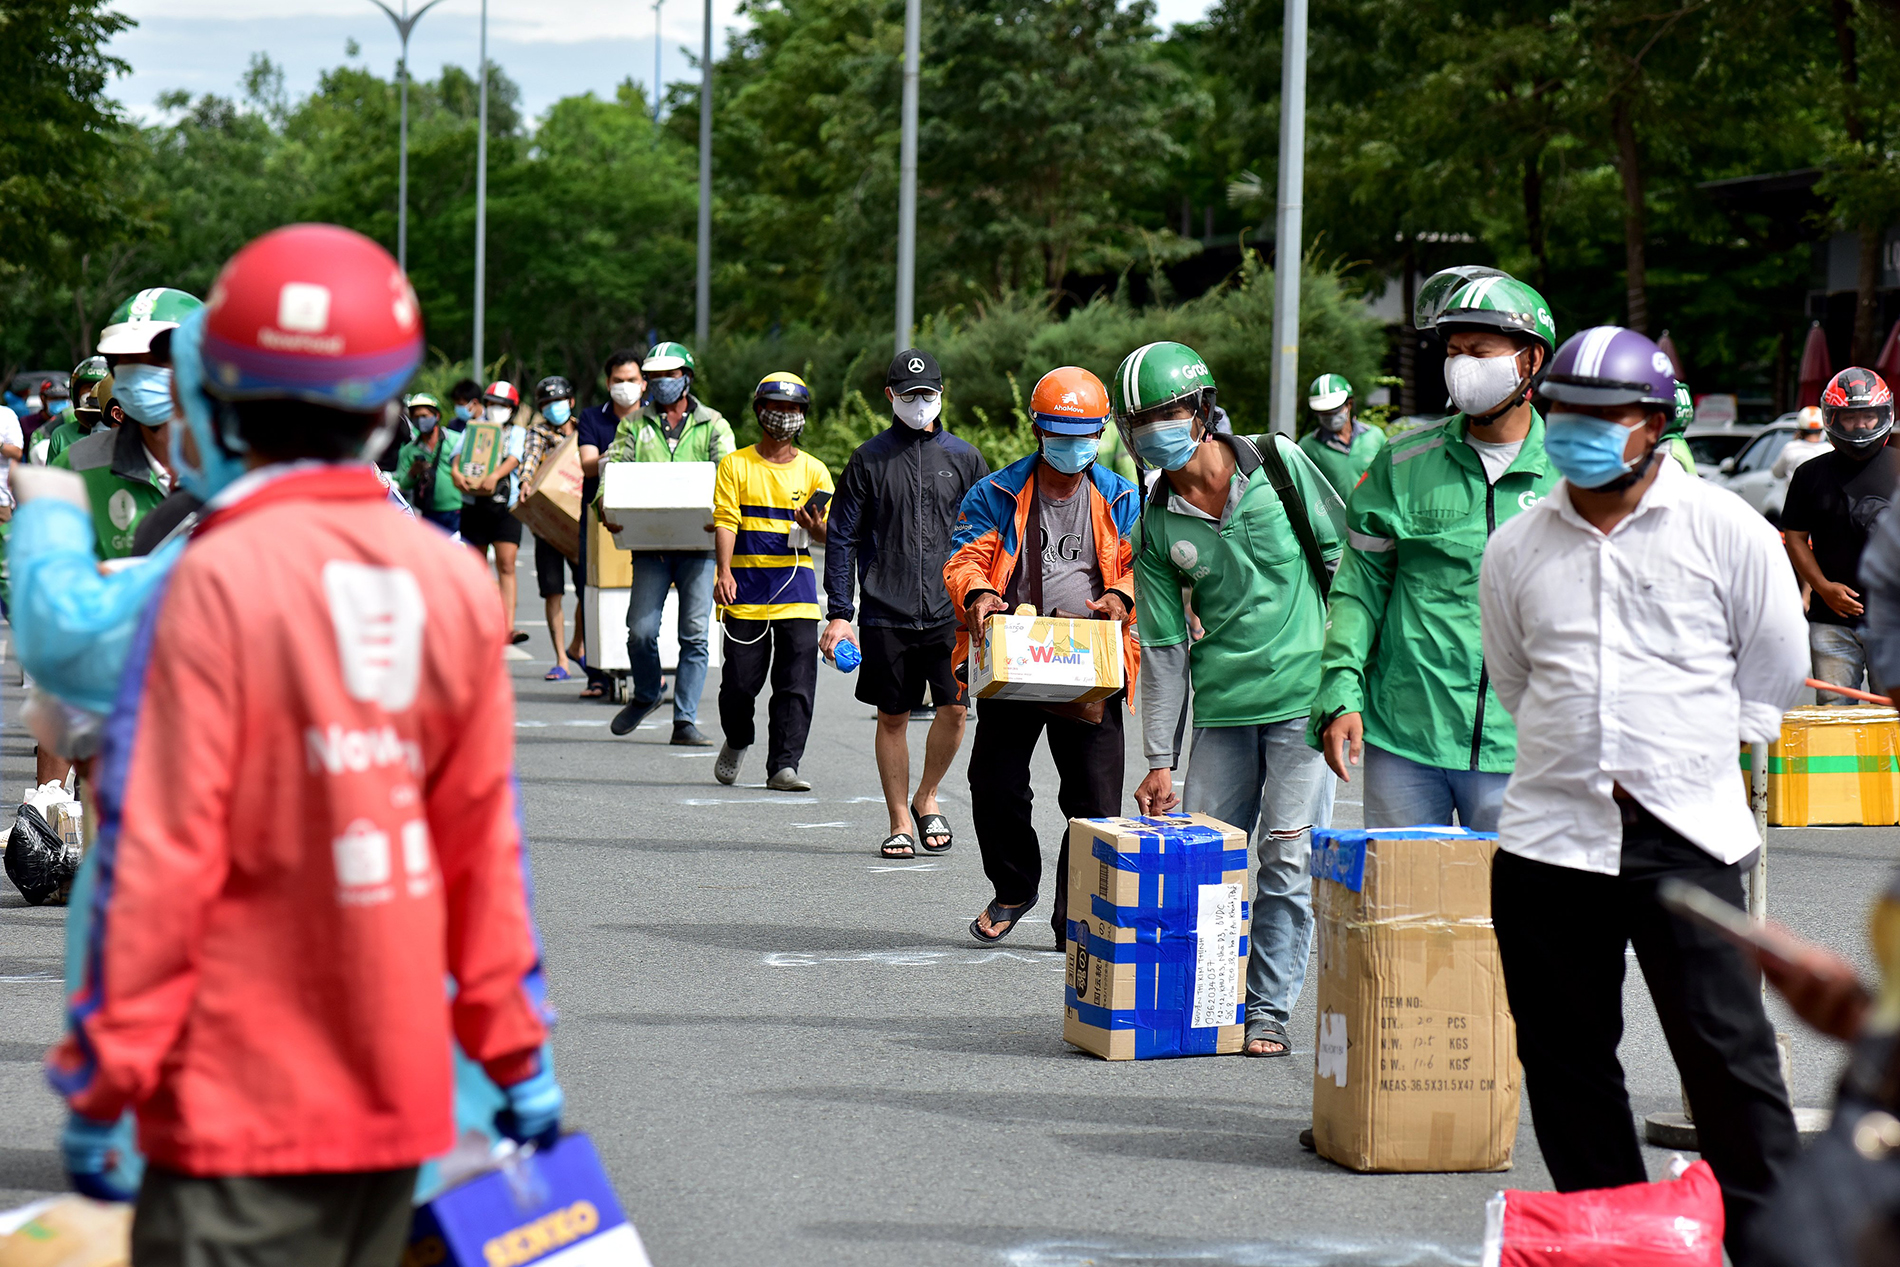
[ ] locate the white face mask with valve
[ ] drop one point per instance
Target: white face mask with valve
(1479, 384)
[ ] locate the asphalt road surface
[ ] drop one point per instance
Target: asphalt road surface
(790, 1051)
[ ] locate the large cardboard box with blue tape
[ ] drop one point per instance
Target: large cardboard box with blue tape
(1158, 917)
(1415, 1067)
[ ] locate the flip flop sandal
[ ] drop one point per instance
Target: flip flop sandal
(899, 846)
(556, 674)
(998, 913)
(929, 825)
(1270, 1030)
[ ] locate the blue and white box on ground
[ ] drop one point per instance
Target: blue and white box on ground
(551, 1208)
(1157, 942)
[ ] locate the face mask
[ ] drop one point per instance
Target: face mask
(1479, 384)
(558, 412)
(1337, 420)
(1070, 454)
(667, 391)
(32, 404)
(919, 413)
(627, 394)
(499, 413)
(781, 424)
(59, 407)
(463, 413)
(1588, 451)
(425, 423)
(145, 393)
(1168, 445)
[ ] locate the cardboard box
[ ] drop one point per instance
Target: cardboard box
(552, 506)
(608, 566)
(482, 450)
(1047, 659)
(69, 820)
(1157, 939)
(1834, 765)
(1415, 1067)
(552, 1206)
(70, 1231)
(659, 505)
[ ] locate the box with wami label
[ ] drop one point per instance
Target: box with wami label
(1157, 936)
(1415, 1068)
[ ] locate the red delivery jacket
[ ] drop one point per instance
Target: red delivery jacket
(309, 823)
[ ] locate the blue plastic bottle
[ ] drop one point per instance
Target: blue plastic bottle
(846, 655)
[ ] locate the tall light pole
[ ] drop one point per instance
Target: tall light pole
(907, 179)
(481, 194)
(702, 291)
(656, 71)
(1286, 263)
(404, 24)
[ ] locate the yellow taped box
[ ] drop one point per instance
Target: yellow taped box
(1047, 659)
(1157, 937)
(1834, 766)
(1415, 1067)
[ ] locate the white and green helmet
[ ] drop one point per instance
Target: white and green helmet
(668, 356)
(136, 322)
(1158, 374)
(1472, 297)
(1328, 392)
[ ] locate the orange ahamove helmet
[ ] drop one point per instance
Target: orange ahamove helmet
(1069, 401)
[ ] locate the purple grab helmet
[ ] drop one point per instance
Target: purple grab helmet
(1610, 365)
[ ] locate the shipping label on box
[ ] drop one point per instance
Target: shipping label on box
(1415, 1059)
(551, 505)
(554, 1206)
(481, 450)
(659, 505)
(1047, 659)
(1157, 937)
(1834, 766)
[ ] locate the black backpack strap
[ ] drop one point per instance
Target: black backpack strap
(1282, 480)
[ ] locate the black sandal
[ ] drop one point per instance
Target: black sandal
(998, 913)
(1266, 1030)
(929, 825)
(898, 846)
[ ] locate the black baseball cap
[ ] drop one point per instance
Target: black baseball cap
(912, 369)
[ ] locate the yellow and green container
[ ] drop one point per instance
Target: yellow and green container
(1834, 766)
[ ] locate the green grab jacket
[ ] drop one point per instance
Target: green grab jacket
(1402, 646)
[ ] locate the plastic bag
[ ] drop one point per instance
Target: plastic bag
(39, 862)
(1676, 1223)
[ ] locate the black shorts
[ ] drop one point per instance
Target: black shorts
(548, 565)
(487, 522)
(898, 663)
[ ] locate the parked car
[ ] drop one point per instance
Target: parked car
(1750, 473)
(1711, 446)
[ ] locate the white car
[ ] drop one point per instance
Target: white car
(1750, 473)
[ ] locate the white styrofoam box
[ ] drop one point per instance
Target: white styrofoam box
(659, 505)
(607, 632)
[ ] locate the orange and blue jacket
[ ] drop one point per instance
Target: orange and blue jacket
(989, 533)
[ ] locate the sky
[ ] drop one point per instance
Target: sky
(551, 48)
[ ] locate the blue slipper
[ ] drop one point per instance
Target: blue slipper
(556, 674)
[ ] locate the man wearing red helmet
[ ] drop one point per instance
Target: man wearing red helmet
(301, 757)
(1832, 505)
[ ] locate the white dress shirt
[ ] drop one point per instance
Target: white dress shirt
(1640, 658)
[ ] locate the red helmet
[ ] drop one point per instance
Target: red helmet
(502, 393)
(312, 312)
(1857, 408)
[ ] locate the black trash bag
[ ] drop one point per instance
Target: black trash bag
(39, 863)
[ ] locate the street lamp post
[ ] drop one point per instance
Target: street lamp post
(702, 290)
(1286, 246)
(481, 193)
(405, 23)
(656, 71)
(907, 180)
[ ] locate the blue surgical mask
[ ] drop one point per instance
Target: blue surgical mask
(1070, 454)
(463, 413)
(666, 391)
(144, 392)
(1167, 445)
(58, 407)
(425, 423)
(1586, 450)
(557, 412)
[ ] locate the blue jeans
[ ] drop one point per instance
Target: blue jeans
(1267, 781)
(1839, 660)
(1402, 793)
(653, 574)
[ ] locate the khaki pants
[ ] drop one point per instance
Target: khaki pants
(346, 1220)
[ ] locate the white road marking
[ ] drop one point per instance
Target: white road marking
(528, 725)
(922, 866)
(809, 826)
(515, 653)
(595, 721)
(751, 800)
(910, 958)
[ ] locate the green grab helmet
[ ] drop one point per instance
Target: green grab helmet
(1501, 303)
(87, 374)
(422, 400)
(669, 356)
(1158, 374)
(1328, 392)
(133, 324)
(1685, 412)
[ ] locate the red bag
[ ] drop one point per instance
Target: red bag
(1676, 1223)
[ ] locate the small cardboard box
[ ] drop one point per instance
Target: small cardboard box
(482, 450)
(1415, 1067)
(1157, 938)
(552, 1206)
(69, 821)
(659, 505)
(1047, 659)
(552, 506)
(70, 1231)
(608, 566)
(1837, 765)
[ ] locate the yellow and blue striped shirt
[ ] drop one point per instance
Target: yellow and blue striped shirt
(755, 499)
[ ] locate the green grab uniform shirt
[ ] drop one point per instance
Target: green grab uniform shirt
(62, 438)
(1343, 467)
(1252, 588)
(1402, 634)
(444, 495)
(120, 485)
